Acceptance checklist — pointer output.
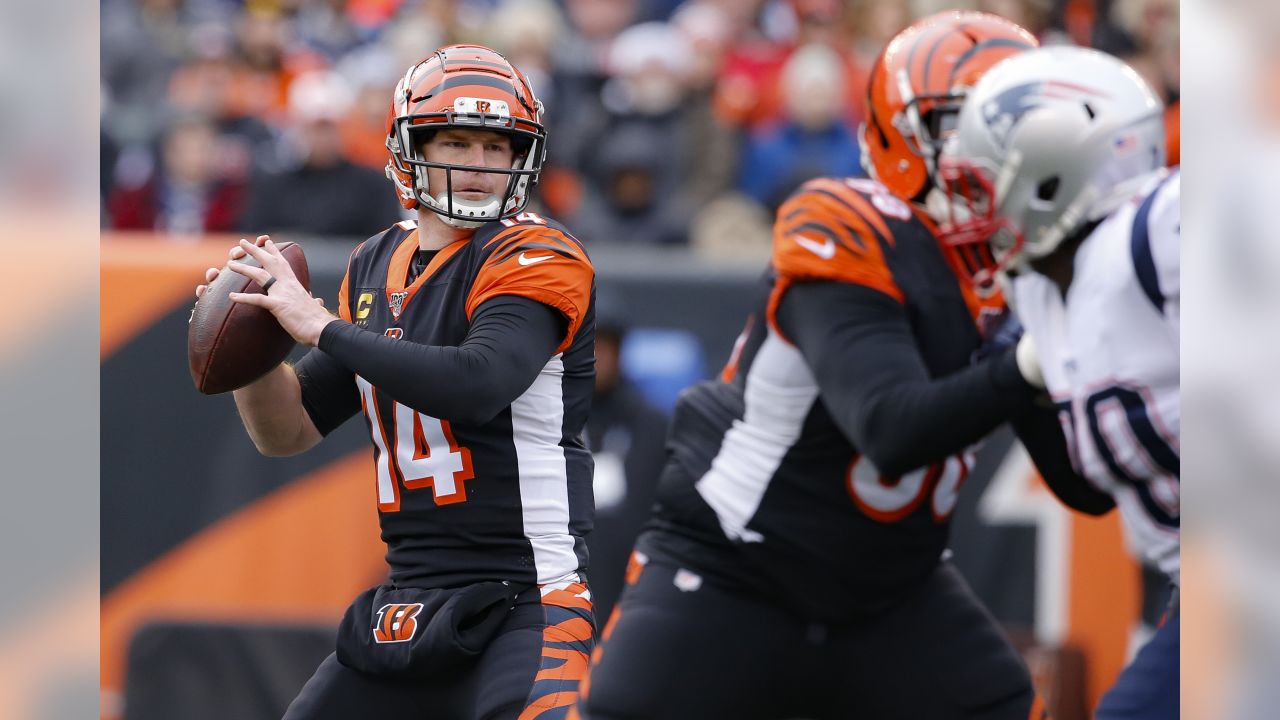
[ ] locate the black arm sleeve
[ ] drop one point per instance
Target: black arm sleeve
(1041, 434)
(329, 392)
(859, 345)
(510, 340)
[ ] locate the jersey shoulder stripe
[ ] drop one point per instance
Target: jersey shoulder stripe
(540, 261)
(509, 246)
(828, 230)
(1140, 247)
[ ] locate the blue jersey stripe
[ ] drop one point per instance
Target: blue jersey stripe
(1144, 263)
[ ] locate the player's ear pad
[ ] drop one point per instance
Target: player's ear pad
(412, 632)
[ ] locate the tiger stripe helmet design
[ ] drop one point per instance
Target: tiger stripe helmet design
(917, 87)
(468, 87)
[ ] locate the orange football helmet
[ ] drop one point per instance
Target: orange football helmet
(468, 87)
(917, 86)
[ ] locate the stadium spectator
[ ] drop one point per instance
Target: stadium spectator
(752, 91)
(1034, 15)
(633, 191)
(872, 24)
(326, 194)
(707, 28)
(234, 62)
(427, 24)
(372, 75)
(142, 42)
(582, 60)
(186, 195)
(813, 139)
(750, 68)
(326, 27)
(628, 202)
(214, 83)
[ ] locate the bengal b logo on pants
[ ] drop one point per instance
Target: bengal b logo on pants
(397, 622)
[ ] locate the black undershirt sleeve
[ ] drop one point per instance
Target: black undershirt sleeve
(510, 341)
(329, 392)
(859, 345)
(1042, 435)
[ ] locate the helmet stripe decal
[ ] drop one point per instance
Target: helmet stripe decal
(928, 59)
(463, 81)
(466, 63)
(969, 54)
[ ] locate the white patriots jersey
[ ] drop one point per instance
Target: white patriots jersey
(1109, 354)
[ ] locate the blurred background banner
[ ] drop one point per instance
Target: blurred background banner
(676, 127)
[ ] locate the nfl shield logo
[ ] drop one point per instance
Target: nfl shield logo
(396, 300)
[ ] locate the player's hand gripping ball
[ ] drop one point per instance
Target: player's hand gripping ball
(230, 344)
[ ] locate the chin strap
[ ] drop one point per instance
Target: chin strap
(483, 212)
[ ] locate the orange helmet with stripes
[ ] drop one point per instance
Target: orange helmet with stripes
(917, 86)
(466, 87)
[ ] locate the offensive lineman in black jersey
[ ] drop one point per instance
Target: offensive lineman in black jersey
(466, 340)
(794, 566)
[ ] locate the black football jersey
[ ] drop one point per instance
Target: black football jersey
(510, 499)
(762, 487)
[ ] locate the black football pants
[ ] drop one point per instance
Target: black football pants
(531, 669)
(679, 647)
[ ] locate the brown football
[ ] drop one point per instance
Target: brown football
(229, 344)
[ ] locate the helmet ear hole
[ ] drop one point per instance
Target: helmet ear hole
(1048, 188)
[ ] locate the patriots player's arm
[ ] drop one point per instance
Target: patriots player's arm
(859, 345)
(510, 340)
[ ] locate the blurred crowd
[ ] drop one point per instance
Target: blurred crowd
(670, 121)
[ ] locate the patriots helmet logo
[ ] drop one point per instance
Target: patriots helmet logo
(1003, 112)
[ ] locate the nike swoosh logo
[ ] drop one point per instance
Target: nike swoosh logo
(825, 250)
(531, 260)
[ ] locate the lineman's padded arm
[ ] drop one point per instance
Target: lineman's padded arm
(510, 341)
(1041, 434)
(858, 343)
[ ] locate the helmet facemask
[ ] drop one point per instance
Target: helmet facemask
(925, 122)
(984, 243)
(411, 132)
